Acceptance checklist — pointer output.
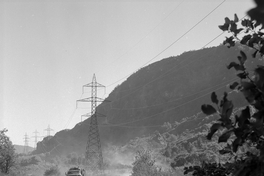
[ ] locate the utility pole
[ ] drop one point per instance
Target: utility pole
(36, 138)
(48, 130)
(26, 143)
(93, 149)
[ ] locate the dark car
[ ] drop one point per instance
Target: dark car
(75, 171)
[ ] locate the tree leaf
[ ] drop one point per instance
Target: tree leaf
(208, 109)
(227, 20)
(259, 75)
(242, 75)
(233, 28)
(213, 129)
(259, 115)
(236, 18)
(249, 95)
(236, 66)
(243, 117)
(233, 85)
(254, 54)
(230, 41)
(224, 27)
(236, 143)
(238, 132)
(262, 49)
(252, 41)
(232, 64)
(238, 30)
(225, 136)
(243, 58)
(214, 98)
(245, 39)
(247, 85)
(223, 151)
(227, 109)
(245, 22)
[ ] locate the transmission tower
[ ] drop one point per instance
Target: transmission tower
(48, 130)
(26, 143)
(36, 138)
(93, 149)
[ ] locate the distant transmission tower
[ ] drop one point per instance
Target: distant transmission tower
(36, 138)
(93, 149)
(48, 130)
(26, 143)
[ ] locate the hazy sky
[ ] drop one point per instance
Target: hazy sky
(51, 48)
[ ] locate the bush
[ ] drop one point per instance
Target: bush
(144, 164)
(53, 171)
(7, 153)
(30, 161)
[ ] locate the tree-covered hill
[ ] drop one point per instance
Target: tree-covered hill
(22, 149)
(169, 90)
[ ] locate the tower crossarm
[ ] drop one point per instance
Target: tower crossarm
(91, 99)
(93, 85)
(86, 115)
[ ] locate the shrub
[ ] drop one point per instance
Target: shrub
(144, 164)
(29, 161)
(53, 171)
(7, 153)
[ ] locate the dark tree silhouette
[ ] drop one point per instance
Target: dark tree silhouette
(7, 153)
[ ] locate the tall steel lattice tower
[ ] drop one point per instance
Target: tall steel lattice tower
(93, 153)
(26, 143)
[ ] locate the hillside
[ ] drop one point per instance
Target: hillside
(170, 90)
(20, 149)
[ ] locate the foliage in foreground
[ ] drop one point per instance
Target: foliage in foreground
(144, 164)
(245, 127)
(53, 171)
(7, 153)
(205, 169)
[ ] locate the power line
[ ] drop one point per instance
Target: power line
(172, 42)
(161, 76)
(72, 114)
(185, 65)
(173, 100)
(149, 32)
(153, 126)
(220, 34)
(187, 58)
(175, 42)
(167, 109)
(70, 118)
(125, 123)
(173, 68)
(184, 33)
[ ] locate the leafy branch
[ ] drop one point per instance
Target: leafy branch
(252, 34)
(247, 125)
